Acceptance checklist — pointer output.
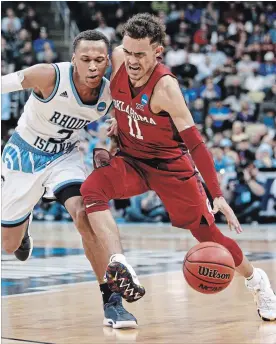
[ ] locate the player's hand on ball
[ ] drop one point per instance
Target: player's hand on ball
(113, 127)
(221, 205)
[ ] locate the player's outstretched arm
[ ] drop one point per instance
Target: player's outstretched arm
(168, 97)
(40, 77)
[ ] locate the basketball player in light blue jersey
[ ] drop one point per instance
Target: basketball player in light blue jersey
(42, 157)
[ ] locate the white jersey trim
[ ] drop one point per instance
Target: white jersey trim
(111, 106)
(51, 96)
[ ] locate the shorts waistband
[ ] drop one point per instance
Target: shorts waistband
(18, 141)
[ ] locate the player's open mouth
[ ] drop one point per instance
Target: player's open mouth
(134, 68)
(92, 77)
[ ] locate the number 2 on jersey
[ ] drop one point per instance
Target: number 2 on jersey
(138, 135)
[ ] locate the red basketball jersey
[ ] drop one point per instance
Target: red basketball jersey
(143, 134)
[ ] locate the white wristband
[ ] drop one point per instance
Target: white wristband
(12, 82)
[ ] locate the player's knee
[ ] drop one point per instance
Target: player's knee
(80, 218)
(78, 214)
(212, 233)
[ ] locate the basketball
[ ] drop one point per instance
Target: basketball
(208, 267)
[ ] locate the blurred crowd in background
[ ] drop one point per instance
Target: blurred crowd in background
(224, 56)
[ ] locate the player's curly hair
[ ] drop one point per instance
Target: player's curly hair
(144, 25)
(90, 35)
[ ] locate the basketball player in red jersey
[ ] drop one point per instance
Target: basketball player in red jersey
(159, 149)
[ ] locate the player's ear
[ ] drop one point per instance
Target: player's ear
(73, 60)
(159, 50)
(108, 63)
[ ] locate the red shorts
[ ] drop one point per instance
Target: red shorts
(179, 188)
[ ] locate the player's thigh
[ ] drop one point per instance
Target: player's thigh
(67, 171)
(23, 173)
(20, 193)
(118, 180)
(65, 177)
(185, 200)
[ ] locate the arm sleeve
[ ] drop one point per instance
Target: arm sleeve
(202, 159)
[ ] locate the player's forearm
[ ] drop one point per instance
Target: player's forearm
(202, 158)
(12, 82)
(40, 76)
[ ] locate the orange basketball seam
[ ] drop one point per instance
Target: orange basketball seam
(211, 282)
(198, 261)
(202, 248)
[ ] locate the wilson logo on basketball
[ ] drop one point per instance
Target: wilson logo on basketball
(203, 271)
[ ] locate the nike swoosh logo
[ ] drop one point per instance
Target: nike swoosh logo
(90, 205)
(122, 92)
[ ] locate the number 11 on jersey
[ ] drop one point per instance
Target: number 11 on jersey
(138, 130)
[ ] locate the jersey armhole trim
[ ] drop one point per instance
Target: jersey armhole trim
(111, 106)
(158, 114)
(51, 96)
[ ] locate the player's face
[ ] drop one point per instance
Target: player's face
(90, 60)
(140, 56)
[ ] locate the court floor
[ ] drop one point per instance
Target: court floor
(54, 298)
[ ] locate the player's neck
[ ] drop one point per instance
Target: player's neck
(144, 79)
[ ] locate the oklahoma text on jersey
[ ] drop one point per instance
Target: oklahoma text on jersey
(120, 105)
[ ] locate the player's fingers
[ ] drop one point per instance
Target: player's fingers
(236, 224)
(112, 129)
(238, 227)
(229, 219)
(110, 132)
(229, 225)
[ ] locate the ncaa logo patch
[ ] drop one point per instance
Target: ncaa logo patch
(101, 106)
(144, 99)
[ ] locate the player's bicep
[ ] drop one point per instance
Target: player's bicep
(40, 76)
(173, 102)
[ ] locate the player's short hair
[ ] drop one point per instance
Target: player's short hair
(90, 35)
(144, 25)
